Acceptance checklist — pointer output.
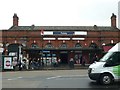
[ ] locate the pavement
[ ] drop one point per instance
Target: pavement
(76, 66)
(62, 67)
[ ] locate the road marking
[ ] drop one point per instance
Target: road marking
(67, 76)
(20, 77)
(53, 77)
(9, 79)
(74, 75)
(14, 78)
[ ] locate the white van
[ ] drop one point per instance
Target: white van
(107, 70)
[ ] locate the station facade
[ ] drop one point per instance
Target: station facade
(48, 43)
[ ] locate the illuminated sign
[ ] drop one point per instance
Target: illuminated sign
(63, 33)
(8, 63)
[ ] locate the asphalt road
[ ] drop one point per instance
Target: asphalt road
(50, 79)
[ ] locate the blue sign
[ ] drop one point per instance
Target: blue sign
(53, 54)
(46, 51)
(48, 55)
(63, 33)
(43, 55)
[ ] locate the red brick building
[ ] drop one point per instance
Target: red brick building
(64, 42)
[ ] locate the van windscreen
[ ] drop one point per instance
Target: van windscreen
(106, 57)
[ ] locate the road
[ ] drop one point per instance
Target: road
(50, 79)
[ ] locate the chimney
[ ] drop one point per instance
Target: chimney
(113, 20)
(15, 20)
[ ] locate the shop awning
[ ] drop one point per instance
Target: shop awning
(107, 48)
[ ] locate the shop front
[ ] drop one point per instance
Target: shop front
(50, 56)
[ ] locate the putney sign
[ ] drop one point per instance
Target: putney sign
(63, 33)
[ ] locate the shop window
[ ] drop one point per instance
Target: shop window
(63, 45)
(77, 58)
(49, 45)
(34, 45)
(93, 45)
(78, 45)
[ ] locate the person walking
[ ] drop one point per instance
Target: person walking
(83, 61)
(59, 62)
(71, 63)
(95, 58)
(14, 63)
(20, 65)
(27, 64)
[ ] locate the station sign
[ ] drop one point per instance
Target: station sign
(63, 33)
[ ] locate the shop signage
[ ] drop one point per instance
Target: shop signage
(63, 33)
(8, 63)
(44, 51)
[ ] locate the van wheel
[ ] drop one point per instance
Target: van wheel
(106, 79)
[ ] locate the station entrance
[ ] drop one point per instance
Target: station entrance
(64, 57)
(50, 56)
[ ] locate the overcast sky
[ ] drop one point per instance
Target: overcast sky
(57, 12)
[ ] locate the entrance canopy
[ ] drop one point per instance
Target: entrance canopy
(63, 49)
(107, 48)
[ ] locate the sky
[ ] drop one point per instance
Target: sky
(58, 12)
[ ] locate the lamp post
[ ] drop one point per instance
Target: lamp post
(42, 34)
(42, 50)
(1, 51)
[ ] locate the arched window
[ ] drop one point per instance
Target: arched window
(33, 45)
(93, 45)
(63, 45)
(49, 45)
(78, 45)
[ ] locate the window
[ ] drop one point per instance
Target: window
(78, 45)
(49, 45)
(63, 45)
(34, 45)
(93, 45)
(114, 59)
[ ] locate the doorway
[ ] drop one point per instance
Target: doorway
(64, 57)
(34, 54)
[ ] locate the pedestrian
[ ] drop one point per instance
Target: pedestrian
(59, 62)
(14, 63)
(34, 64)
(71, 63)
(39, 63)
(30, 61)
(95, 58)
(83, 61)
(55, 63)
(20, 65)
(81, 58)
(27, 64)
(23, 64)
(42, 63)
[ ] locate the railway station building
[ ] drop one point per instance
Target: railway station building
(48, 43)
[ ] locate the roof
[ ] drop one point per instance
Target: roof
(92, 28)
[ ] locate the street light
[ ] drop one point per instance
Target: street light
(42, 34)
(1, 51)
